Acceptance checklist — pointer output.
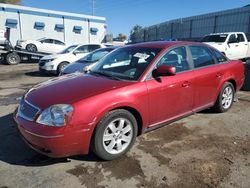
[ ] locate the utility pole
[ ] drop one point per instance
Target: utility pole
(93, 7)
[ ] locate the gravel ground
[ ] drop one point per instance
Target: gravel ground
(202, 150)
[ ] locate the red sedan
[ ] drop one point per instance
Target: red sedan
(132, 90)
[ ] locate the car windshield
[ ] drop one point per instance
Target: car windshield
(95, 56)
(215, 38)
(69, 49)
(41, 39)
(127, 63)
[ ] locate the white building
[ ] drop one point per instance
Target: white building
(33, 23)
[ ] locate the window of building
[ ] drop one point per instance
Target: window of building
(93, 30)
(59, 27)
(11, 23)
(77, 29)
(39, 25)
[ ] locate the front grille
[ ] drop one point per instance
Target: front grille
(27, 110)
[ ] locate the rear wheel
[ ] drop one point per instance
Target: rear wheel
(31, 48)
(226, 98)
(13, 59)
(115, 134)
(61, 67)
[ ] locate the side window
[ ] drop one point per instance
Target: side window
(177, 58)
(58, 42)
(240, 38)
(219, 56)
(201, 56)
(232, 39)
(93, 47)
(98, 55)
(49, 41)
(82, 49)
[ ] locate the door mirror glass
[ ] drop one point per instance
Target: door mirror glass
(165, 70)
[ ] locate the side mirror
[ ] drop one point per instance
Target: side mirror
(165, 70)
(232, 41)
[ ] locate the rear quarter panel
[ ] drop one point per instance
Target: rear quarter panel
(232, 71)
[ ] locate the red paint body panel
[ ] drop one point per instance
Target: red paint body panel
(156, 100)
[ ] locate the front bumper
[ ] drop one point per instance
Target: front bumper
(45, 71)
(54, 142)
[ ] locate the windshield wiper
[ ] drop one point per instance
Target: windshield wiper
(103, 73)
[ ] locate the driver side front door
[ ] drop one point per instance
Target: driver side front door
(171, 97)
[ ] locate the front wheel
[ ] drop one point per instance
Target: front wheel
(115, 134)
(61, 67)
(225, 98)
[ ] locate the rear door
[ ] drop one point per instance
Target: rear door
(237, 47)
(46, 46)
(171, 96)
(242, 47)
(208, 76)
(58, 46)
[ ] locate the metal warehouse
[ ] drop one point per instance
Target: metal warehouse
(195, 27)
(33, 23)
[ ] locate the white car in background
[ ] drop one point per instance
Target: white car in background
(3, 39)
(43, 45)
(56, 63)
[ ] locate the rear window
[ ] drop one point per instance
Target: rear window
(215, 38)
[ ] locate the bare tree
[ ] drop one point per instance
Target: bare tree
(11, 1)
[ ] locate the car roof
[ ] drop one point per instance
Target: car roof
(162, 44)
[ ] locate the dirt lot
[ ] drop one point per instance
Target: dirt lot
(203, 150)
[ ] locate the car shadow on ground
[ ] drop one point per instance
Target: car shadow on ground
(38, 74)
(14, 150)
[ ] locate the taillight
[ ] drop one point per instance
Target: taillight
(5, 35)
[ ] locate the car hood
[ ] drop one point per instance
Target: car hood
(53, 56)
(70, 88)
(75, 67)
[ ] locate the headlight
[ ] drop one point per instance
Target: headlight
(49, 60)
(56, 115)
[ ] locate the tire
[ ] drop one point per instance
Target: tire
(31, 48)
(13, 59)
(225, 98)
(61, 66)
(120, 129)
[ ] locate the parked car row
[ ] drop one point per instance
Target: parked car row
(55, 63)
(131, 90)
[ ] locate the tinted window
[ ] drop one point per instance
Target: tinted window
(219, 56)
(232, 39)
(126, 63)
(93, 47)
(240, 38)
(215, 38)
(82, 49)
(201, 56)
(69, 49)
(95, 56)
(50, 41)
(177, 58)
(58, 42)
